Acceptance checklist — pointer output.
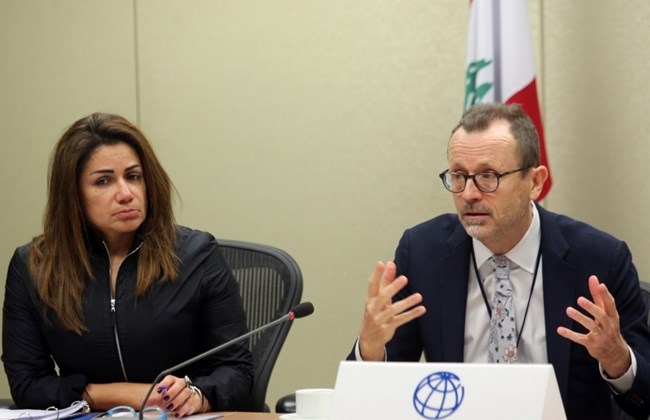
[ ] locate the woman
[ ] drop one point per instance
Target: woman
(114, 292)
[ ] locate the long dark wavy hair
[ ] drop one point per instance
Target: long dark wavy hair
(58, 260)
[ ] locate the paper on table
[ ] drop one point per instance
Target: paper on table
(51, 413)
(204, 416)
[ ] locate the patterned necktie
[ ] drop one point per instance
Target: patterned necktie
(502, 343)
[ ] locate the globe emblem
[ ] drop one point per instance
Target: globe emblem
(438, 395)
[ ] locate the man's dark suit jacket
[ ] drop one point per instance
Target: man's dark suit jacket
(435, 257)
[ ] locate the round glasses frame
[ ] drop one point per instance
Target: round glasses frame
(486, 182)
(149, 413)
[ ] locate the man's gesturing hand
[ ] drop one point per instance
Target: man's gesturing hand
(603, 339)
(382, 316)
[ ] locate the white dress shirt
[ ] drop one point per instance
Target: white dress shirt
(532, 338)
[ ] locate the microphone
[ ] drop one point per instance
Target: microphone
(299, 311)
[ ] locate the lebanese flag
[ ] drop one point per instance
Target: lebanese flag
(500, 66)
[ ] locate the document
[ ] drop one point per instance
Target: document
(51, 413)
(205, 416)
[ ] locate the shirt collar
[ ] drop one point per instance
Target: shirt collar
(524, 254)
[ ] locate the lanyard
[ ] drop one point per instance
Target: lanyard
(530, 294)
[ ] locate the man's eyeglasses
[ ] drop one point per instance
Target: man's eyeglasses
(486, 182)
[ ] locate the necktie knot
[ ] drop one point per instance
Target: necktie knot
(500, 262)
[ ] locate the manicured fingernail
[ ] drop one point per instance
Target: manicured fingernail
(166, 398)
(170, 407)
(162, 388)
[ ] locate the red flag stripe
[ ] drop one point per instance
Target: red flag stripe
(527, 98)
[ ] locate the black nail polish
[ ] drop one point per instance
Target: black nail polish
(166, 398)
(170, 407)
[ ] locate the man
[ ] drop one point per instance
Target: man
(566, 293)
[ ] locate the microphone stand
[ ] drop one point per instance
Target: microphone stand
(288, 317)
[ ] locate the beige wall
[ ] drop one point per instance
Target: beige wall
(317, 126)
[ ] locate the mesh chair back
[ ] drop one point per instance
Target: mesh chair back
(271, 284)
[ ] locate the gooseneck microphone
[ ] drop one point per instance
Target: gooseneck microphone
(299, 311)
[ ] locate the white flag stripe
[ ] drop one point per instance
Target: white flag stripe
(481, 44)
(500, 62)
(515, 59)
(517, 66)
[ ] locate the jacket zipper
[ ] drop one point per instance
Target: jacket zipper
(113, 311)
(117, 339)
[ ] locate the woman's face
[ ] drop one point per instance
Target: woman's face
(113, 192)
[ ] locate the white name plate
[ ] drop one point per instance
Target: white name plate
(455, 391)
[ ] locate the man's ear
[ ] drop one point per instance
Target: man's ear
(540, 174)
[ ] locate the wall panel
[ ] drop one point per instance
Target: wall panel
(59, 61)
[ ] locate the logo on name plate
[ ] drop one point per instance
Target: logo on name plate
(439, 395)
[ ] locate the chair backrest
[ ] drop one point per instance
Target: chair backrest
(271, 284)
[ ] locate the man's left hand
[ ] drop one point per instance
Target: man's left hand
(603, 340)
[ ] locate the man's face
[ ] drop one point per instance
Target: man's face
(501, 218)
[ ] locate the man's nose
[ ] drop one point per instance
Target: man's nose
(471, 191)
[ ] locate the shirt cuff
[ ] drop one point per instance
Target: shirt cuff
(357, 352)
(624, 383)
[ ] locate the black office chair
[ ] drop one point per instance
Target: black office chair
(271, 284)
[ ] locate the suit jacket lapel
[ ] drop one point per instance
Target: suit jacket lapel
(559, 293)
(453, 294)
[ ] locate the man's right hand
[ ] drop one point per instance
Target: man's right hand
(382, 317)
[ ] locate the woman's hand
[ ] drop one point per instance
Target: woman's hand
(179, 396)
